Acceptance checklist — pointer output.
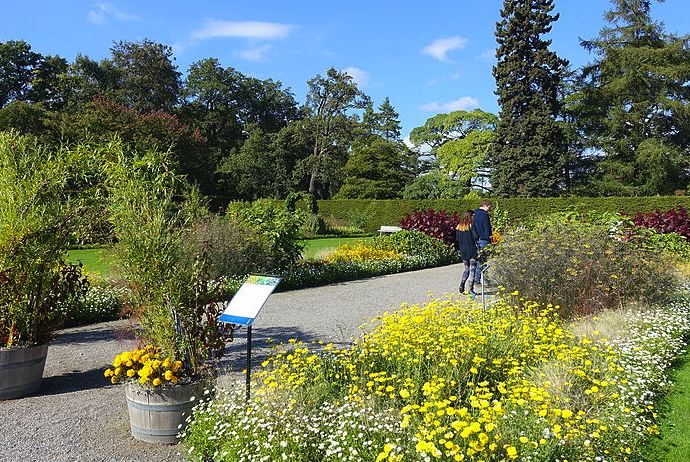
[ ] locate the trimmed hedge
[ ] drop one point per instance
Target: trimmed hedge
(389, 212)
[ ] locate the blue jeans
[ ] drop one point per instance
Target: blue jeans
(481, 243)
(468, 274)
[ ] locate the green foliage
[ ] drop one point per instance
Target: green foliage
(632, 101)
(580, 267)
(152, 211)
(460, 140)
(377, 169)
(39, 212)
(329, 101)
(274, 224)
(376, 213)
(416, 243)
(529, 148)
(435, 186)
(231, 247)
(148, 79)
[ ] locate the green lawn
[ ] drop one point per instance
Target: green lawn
(674, 442)
(101, 260)
(316, 247)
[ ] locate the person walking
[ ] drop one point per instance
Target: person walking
(481, 224)
(467, 248)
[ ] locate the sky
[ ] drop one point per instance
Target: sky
(428, 57)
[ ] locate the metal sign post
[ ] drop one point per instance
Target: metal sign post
(248, 379)
(244, 308)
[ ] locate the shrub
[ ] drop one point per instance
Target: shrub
(414, 243)
(275, 224)
(438, 224)
(580, 267)
(675, 220)
(517, 209)
(232, 248)
(102, 302)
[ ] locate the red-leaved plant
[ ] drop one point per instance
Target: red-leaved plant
(675, 220)
(435, 223)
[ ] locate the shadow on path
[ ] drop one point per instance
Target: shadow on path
(70, 382)
(102, 334)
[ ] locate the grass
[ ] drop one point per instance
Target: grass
(101, 260)
(674, 442)
(319, 247)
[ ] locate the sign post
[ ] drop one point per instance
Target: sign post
(244, 308)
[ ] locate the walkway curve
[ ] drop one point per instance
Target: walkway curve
(77, 416)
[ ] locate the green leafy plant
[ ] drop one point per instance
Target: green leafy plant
(274, 223)
(580, 267)
(39, 211)
(153, 211)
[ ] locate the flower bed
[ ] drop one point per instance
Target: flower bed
(448, 381)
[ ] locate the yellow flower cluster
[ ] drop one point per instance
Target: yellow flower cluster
(360, 253)
(146, 366)
(472, 384)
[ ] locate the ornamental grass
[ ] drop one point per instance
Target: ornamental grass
(449, 381)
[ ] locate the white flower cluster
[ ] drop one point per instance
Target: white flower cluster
(229, 429)
(655, 338)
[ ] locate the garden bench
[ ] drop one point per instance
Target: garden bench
(389, 229)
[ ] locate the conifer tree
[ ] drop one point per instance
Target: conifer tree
(634, 103)
(530, 143)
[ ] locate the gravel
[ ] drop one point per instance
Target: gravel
(78, 416)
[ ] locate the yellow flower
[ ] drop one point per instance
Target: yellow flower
(156, 382)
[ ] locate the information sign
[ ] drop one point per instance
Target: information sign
(248, 301)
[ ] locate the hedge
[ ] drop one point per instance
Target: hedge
(376, 213)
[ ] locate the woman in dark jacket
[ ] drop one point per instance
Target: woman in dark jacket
(467, 248)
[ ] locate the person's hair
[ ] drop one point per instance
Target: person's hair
(487, 202)
(466, 221)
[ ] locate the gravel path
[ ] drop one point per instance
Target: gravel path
(78, 416)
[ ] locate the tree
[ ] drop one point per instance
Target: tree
(459, 141)
(29, 76)
(148, 78)
(213, 104)
(384, 123)
(328, 101)
(633, 104)
(528, 152)
(377, 169)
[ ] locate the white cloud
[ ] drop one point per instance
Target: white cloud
(464, 103)
(440, 48)
(488, 55)
(255, 54)
(407, 142)
(360, 77)
(106, 10)
(244, 29)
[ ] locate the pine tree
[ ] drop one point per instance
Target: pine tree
(634, 104)
(384, 123)
(530, 143)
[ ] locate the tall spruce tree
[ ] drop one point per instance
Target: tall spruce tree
(633, 106)
(528, 153)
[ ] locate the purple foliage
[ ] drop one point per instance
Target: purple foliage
(435, 223)
(672, 221)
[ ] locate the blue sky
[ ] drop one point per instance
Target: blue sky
(428, 57)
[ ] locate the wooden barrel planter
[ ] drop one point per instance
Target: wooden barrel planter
(156, 416)
(21, 370)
